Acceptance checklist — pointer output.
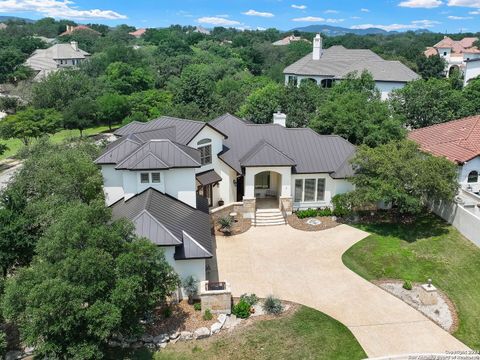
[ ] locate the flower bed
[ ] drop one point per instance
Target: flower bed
(306, 224)
(239, 226)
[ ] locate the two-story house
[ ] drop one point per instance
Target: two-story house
(166, 174)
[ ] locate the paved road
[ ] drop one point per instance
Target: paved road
(306, 267)
(6, 175)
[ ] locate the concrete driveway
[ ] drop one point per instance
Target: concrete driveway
(307, 268)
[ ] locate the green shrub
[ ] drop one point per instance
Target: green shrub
(197, 306)
(324, 212)
(407, 285)
(302, 214)
(190, 285)
(167, 312)
(3, 343)
(272, 305)
(207, 315)
(241, 309)
(341, 205)
(225, 222)
(251, 299)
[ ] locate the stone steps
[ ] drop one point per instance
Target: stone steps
(268, 217)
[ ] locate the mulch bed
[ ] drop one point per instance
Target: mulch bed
(301, 224)
(240, 225)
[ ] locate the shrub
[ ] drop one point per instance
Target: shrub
(197, 306)
(207, 315)
(225, 222)
(324, 212)
(302, 214)
(3, 343)
(190, 285)
(241, 309)
(167, 312)
(341, 205)
(407, 285)
(251, 299)
(272, 305)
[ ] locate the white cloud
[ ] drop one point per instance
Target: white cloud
(258, 13)
(426, 23)
(465, 3)
(364, 10)
(355, 17)
(65, 9)
(453, 17)
(331, 11)
(426, 4)
(475, 12)
(416, 24)
(334, 21)
(309, 19)
(300, 7)
(217, 21)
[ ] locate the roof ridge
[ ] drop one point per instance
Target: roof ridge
(445, 123)
(116, 146)
(196, 242)
(150, 194)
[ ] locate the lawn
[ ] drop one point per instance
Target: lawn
(307, 334)
(14, 145)
(429, 248)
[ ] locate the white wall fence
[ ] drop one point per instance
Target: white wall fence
(465, 221)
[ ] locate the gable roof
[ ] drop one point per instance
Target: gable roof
(71, 29)
(303, 149)
(464, 45)
(337, 62)
(44, 59)
(457, 140)
(167, 221)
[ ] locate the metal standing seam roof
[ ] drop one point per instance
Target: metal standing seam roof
(167, 221)
(208, 177)
(338, 61)
(310, 152)
(264, 154)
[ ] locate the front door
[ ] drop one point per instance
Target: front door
(207, 192)
(240, 188)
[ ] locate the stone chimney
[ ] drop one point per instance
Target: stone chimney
(280, 118)
(317, 47)
(74, 45)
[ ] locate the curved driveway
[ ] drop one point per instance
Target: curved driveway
(307, 268)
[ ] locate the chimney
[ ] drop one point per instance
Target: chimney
(317, 47)
(74, 45)
(280, 118)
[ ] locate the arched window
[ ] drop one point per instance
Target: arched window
(326, 83)
(205, 147)
(473, 177)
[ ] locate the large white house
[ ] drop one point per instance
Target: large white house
(472, 70)
(325, 66)
(166, 174)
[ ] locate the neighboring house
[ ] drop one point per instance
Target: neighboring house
(288, 40)
(138, 33)
(49, 41)
(459, 142)
(3, 26)
(455, 53)
(472, 70)
(325, 66)
(71, 29)
(201, 30)
(58, 56)
(166, 173)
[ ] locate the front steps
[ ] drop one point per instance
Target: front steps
(268, 217)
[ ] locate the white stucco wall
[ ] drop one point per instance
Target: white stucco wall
(284, 188)
(180, 183)
(472, 165)
(472, 70)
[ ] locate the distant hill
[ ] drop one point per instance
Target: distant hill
(6, 18)
(338, 30)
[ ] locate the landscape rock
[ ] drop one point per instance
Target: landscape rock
(174, 335)
(30, 349)
(13, 355)
(174, 341)
(186, 335)
(215, 328)
(160, 339)
(147, 338)
(222, 318)
(137, 345)
(111, 343)
(258, 310)
(201, 333)
(163, 345)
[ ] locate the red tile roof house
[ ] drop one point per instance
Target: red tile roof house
(459, 142)
(71, 29)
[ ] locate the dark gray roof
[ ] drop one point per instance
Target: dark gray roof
(208, 177)
(117, 151)
(309, 151)
(337, 62)
(264, 154)
(167, 221)
(159, 154)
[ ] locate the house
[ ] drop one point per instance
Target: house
(325, 66)
(3, 26)
(138, 33)
(459, 142)
(472, 70)
(201, 30)
(71, 29)
(456, 53)
(288, 40)
(58, 56)
(166, 174)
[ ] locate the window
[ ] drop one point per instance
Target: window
(309, 194)
(444, 53)
(298, 190)
(473, 177)
(155, 177)
(144, 178)
(205, 148)
(320, 189)
(262, 180)
(326, 83)
(292, 80)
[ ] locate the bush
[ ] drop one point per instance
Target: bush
(407, 285)
(272, 305)
(3, 343)
(197, 306)
(167, 312)
(251, 299)
(207, 315)
(225, 222)
(302, 214)
(190, 285)
(241, 309)
(341, 205)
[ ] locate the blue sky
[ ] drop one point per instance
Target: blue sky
(436, 15)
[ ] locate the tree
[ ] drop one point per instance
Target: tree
(399, 174)
(301, 103)
(262, 103)
(126, 79)
(3, 148)
(151, 103)
(80, 114)
(431, 66)
(30, 123)
(112, 108)
(91, 279)
(472, 94)
(10, 59)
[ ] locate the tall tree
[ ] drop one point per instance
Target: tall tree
(431, 67)
(112, 108)
(80, 114)
(262, 103)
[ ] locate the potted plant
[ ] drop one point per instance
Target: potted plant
(221, 202)
(225, 223)
(190, 285)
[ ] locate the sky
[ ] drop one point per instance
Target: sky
(449, 16)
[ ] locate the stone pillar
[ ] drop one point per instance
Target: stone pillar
(249, 207)
(428, 294)
(287, 203)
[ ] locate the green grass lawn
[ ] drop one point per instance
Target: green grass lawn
(429, 248)
(14, 145)
(307, 334)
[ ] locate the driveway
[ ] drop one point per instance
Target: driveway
(307, 268)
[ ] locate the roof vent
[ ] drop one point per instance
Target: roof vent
(280, 118)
